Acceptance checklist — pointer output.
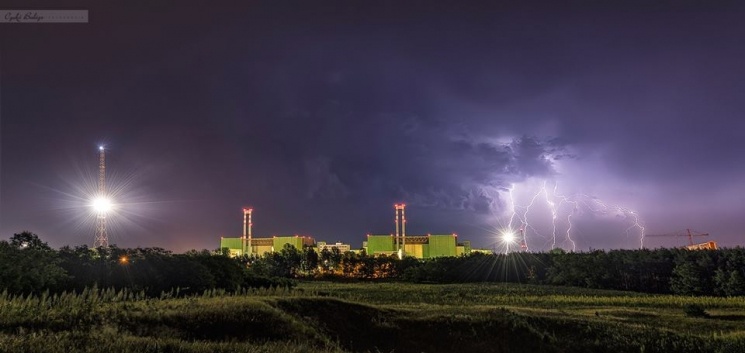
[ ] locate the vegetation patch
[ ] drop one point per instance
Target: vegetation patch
(155, 301)
(695, 310)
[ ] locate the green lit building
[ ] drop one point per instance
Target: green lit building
(419, 246)
(259, 246)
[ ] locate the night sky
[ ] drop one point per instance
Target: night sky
(322, 115)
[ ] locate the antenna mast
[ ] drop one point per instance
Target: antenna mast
(101, 238)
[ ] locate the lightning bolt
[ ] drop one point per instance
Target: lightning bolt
(512, 205)
(523, 216)
(626, 212)
(552, 207)
(638, 225)
(523, 220)
(556, 203)
(565, 199)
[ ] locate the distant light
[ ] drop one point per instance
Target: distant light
(123, 260)
(100, 148)
(508, 237)
(102, 205)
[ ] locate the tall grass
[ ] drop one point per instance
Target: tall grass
(509, 295)
(332, 317)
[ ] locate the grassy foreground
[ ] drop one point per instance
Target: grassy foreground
(374, 317)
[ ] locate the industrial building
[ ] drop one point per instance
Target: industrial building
(398, 244)
(419, 246)
(709, 245)
(321, 246)
(247, 244)
(259, 246)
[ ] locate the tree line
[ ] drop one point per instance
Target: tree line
(665, 271)
(29, 265)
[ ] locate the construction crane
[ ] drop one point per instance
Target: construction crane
(683, 233)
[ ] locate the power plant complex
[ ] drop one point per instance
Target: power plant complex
(397, 244)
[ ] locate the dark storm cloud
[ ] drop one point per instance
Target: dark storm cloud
(408, 113)
(369, 123)
(531, 158)
(643, 93)
(426, 166)
(323, 183)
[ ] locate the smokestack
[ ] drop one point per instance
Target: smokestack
(403, 226)
(244, 223)
(250, 226)
(247, 225)
(395, 207)
(400, 231)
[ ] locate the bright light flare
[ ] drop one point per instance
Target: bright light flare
(508, 237)
(102, 205)
(128, 206)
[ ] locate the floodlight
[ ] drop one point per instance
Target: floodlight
(101, 205)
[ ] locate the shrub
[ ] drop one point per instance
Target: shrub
(695, 310)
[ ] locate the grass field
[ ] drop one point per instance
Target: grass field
(373, 317)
